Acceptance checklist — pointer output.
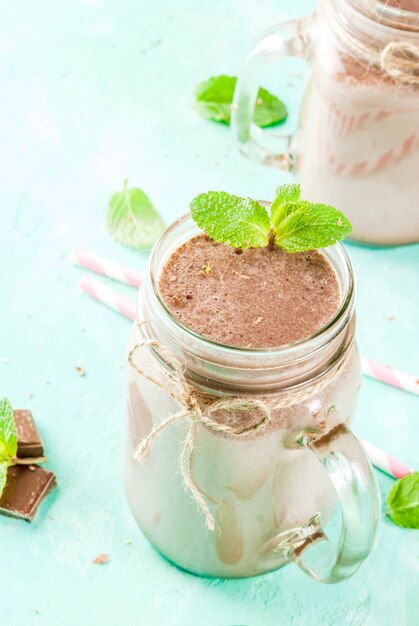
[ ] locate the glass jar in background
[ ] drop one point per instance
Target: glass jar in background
(271, 489)
(357, 144)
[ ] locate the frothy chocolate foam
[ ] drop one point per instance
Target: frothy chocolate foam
(259, 297)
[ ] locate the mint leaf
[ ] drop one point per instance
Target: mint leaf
(403, 501)
(269, 109)
(8, 440)
(3, 475)
(132, 218)
(214, 97)
(287, 209)
(239, 222)
(8, 437)
(304, 226)
(284, 195)
(289, 192)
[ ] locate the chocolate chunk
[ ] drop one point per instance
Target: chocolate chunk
(29, 443)
(26, 487)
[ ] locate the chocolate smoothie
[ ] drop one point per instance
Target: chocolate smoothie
(257, 485)
(358, 144)
(257, 297)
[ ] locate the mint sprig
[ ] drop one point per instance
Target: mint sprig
(8, 440)
(132, 218)
(294, 225)
(403, 501)
(214, 97)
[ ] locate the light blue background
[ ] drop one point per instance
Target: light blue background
(95, 91)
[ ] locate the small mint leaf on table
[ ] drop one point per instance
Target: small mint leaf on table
(8, 437)
(403, 501)
(214, 97)
(269, 109)
(239, 222)
(4, 466)
(8, 440)
(132, 219)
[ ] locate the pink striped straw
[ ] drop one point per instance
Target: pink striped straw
(390, 376)
(106, 267)
(125, 307)
(109, 297)
(385, 462)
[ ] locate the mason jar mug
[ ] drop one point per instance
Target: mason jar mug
(357, 142)
(234, 457)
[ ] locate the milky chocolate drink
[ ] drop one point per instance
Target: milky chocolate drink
(258, 297)
(358, 149)
(257, 485)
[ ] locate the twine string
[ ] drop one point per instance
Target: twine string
(401, 61)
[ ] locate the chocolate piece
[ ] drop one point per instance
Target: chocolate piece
(29, 444)
(26, 487)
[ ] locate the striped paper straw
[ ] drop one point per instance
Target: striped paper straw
(385, 462)
(109, 297)
(390, 376)
(106, 267)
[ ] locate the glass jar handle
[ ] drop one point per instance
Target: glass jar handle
(283, 40)
(351, 473)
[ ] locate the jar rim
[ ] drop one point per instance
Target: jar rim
(387, 16)
(335, 255)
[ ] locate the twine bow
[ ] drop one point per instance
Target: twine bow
(198, 409)
(401, 61)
